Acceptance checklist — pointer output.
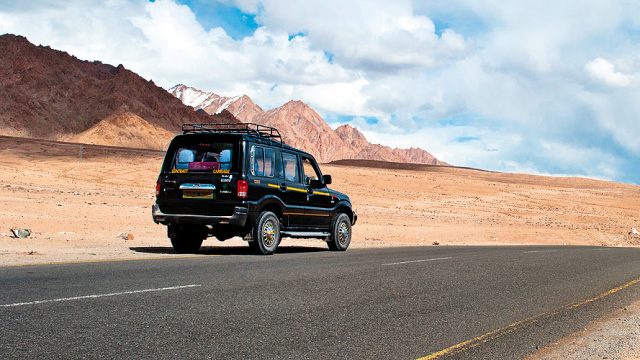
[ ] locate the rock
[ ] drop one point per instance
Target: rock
(21, 233)
(436, 243)
(125, 236)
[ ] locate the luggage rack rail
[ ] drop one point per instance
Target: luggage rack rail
(245, 128)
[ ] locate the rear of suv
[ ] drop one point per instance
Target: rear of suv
(226, 180)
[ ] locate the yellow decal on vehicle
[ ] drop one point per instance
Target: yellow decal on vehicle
(273, 186)
(321, 193)
(179, 171)
(296, 189)
(222, 171)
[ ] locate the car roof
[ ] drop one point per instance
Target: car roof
(250, 137)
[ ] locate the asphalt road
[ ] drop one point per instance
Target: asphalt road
(399, 303)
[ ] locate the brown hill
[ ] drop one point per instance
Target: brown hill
(126, 130)
(367, 151)
(303, 128)
(50, 94)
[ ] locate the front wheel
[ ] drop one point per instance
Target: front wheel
(340, 233)
(265, 233)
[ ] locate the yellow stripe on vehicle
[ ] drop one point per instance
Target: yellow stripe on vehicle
(305, 214)
(321, 193)
(296, 189)
(273, 186)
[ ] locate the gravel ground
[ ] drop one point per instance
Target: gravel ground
(615, 337)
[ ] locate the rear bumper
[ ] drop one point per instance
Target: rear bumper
(239, 217)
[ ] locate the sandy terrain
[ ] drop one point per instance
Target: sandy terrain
(76, 201)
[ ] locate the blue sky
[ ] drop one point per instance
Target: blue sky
(516, 86)
(211, 14)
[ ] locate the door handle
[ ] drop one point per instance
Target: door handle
(283, 187)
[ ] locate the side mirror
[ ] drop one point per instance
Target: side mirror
(326, 179)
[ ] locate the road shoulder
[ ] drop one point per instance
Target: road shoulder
(616, 336)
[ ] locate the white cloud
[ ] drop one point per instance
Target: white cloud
(605, 72)
(367, 35)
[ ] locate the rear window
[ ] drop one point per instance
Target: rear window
(203, 157)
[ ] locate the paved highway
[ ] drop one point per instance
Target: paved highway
(397, 303)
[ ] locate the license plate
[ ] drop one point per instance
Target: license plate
(197, 194)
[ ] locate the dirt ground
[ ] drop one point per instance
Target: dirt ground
(81, 202)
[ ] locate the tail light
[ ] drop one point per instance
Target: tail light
(158, 187)
(243, 189)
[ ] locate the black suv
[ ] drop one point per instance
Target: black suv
(241, 180)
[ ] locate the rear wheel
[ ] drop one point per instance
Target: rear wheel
(340, 233)
(185, 240)
(265, 233)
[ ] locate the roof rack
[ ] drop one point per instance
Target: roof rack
(244, 128)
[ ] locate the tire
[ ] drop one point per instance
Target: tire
(265, 233)
(185, 241)
(340, 233)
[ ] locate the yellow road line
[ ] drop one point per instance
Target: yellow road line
(110, 260)
(479, 340)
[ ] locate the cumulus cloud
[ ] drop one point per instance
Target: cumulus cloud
(378, 36)
(605, 72)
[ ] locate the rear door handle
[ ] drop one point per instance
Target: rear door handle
(283, 187)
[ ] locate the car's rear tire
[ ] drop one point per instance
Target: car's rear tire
(340, 237)
(265, 234)
(185, 241)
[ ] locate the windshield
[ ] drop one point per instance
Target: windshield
(203, 157)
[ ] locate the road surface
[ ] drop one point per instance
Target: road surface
(306, 303)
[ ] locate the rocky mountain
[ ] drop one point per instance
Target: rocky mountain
(304, 128)
(47, 93)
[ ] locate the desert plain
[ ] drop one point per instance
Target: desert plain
(87, 202)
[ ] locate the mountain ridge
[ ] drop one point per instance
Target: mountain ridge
(302, 127)
(47, 93)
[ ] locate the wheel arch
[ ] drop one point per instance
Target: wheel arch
(272, 205)
(344, 207)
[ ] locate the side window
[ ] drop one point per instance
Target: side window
(310, 172)
(269, 162)
(290, 166)
(263, 161)
(258, 163)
